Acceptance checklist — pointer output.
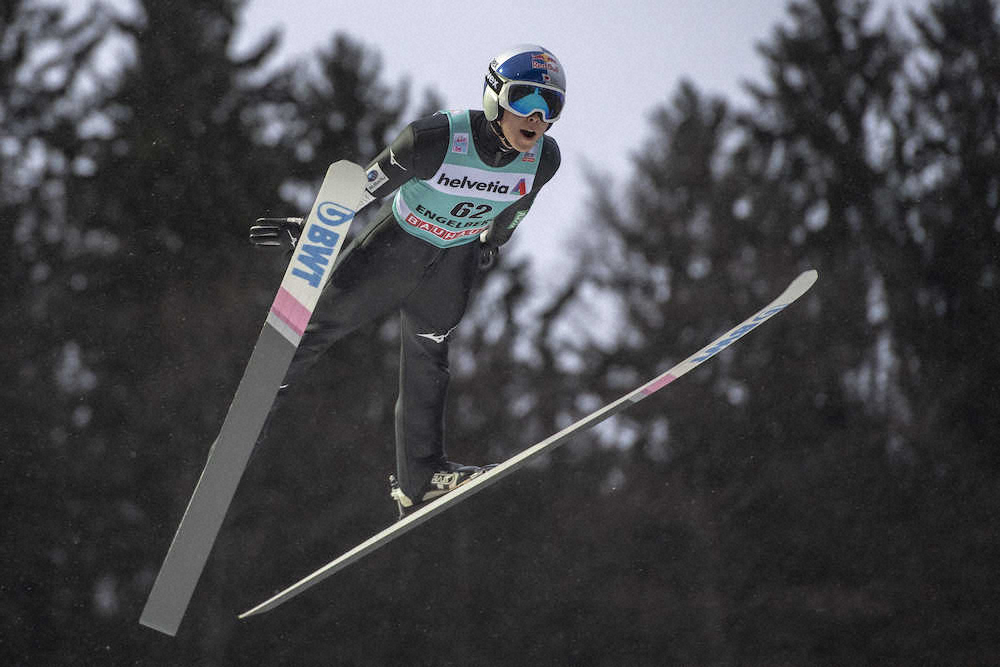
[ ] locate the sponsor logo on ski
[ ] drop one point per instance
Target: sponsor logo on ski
(312, 257)
(736, 334)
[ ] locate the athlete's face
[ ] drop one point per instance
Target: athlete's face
(523, 133)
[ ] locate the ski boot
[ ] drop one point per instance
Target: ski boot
(442, 481)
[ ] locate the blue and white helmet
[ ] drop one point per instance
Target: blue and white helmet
(523, 80)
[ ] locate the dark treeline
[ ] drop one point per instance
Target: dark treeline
(823, 493)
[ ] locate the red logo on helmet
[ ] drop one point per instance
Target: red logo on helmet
(544, 61)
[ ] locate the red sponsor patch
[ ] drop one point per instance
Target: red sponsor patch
(441, 232)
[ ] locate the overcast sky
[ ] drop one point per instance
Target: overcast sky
(622, 59)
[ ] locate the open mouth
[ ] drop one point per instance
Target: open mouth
(528, 134)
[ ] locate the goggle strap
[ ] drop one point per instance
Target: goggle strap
(495, 81)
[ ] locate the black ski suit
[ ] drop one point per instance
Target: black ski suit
(387, 268)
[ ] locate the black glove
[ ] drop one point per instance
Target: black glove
(276, 231)
(488, 256)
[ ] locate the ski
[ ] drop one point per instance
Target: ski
(797, 288)
(310, 266)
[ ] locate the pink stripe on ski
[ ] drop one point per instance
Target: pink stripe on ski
(291, 311)
(659, 384)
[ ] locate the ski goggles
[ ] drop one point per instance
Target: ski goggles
(524, 99)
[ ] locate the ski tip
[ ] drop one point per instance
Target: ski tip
(800, 285)
(347, 167)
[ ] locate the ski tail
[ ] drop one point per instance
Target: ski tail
(797, 288)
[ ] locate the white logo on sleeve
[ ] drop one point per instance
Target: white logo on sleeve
(393, 160)
(436, 337)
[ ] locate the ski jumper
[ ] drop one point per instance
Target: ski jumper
(420, 255)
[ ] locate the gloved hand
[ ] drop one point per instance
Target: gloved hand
(487, 256)
(276, 231)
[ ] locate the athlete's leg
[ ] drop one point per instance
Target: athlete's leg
(372, 277)
(429, 315)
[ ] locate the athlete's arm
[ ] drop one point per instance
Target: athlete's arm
(509, 218)
(416, 152)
